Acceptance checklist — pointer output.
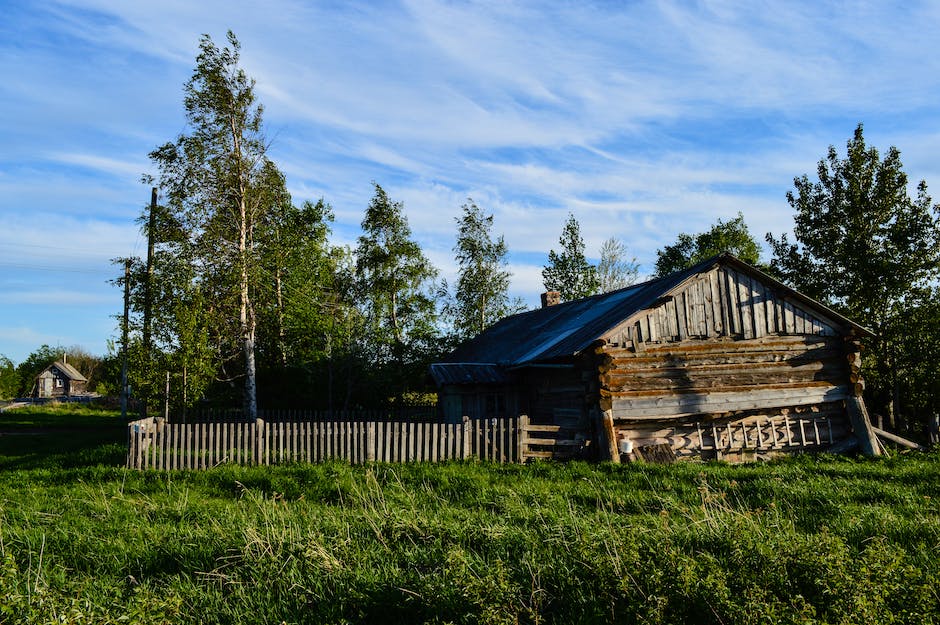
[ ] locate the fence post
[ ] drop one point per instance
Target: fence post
(258, 442)
(370, 441)
(131, 447)
(158, 443)
(522, 429)
(465, 452)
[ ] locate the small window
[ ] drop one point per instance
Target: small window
(58, 382)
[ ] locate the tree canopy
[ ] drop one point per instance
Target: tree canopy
(568, 271)
(616, 269)
(395, 283)
(868, 248)
(481, 295)
(725, 236)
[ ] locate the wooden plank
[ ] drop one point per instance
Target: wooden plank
(714, 298)
(894, 438)
(522, 422)
(374, 441)
(770, 310)
(734, 304)
(677, 406)
(682, 312)
(745, 303)
(657, 454)
(467, 434)
(757, 308)
(386, 450)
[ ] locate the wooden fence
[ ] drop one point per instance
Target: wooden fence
(156, 444)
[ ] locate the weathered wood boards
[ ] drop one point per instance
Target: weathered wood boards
(722, 302)
(155, 444)
(783, 431)
(726, 363)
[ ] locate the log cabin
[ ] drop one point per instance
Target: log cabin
(718, 361)
(59, 379)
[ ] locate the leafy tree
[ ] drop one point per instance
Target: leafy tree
(303, 330)
(395, 283)
(569, 272)
(482, 292)
(918, 354)
(38, 360)
(615, 270)
(9, 379)
(725, 236)
(214, 178)
(865, 246)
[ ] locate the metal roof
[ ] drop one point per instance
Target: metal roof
(467, 373)
(554, 332)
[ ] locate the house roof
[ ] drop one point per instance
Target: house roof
(555, 332)
(69, 371)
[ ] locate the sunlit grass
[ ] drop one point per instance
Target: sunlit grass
(807, 540)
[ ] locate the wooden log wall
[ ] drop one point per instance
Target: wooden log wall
(726, 365)
(722, 376)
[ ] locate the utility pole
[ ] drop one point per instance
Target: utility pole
(148, 297)
(127, 304)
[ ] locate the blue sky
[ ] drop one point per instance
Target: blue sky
(644, 119)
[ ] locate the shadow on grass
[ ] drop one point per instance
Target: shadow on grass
(61, 439)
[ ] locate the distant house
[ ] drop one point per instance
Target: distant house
(717, 361)
(59, 379)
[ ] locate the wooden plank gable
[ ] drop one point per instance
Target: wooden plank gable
(723, 302)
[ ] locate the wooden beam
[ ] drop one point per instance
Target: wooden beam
(864, 431)
(894, 438)
(608, 432)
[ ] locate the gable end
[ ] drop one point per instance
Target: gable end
(722, 302)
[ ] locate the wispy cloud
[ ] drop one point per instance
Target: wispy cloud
(645, 119)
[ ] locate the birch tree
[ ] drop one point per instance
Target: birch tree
(481, 297)
(395, 282)
(212, 179)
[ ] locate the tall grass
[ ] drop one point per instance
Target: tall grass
(806, 540)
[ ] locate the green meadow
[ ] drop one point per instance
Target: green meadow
(813, 539)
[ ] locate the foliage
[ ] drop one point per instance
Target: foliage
(215, 179)
(34, 364)
(725, 236)
(803, 540)
(569, 272)
(616, 269)
(481, 296)
(9, 378)
(395, 282)
(866, 247)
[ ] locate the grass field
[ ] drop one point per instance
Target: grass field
(807, 540)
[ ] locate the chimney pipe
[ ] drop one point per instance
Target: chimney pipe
(550, 298)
